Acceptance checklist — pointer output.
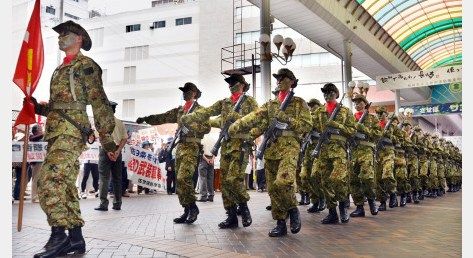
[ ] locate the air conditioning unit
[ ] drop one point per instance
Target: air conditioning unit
(151, 25)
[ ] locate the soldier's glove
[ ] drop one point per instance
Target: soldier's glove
(281, 125)
(233, 116)
(283, 117)
(184, 130)
(140, 120)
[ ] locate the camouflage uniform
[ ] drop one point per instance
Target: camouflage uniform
(281, 156)
(187, 150)
(363, 175)
(441, 161)
(423, 160)
(400, 164)
(433, 177)
(307, 180)
(234, 151)
(57, 192)
(413, 162)
(332, 163)
(386, 183)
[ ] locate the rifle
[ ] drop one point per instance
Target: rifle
(272, 133)
(305, 143)
(358, 135)
(328, 131)
(385, 140)
(178, 133)
(224, 132)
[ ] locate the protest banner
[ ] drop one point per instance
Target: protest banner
(143, 168)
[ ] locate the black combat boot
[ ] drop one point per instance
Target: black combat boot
(440, 192)
(373, 208)
(332, 217)
(238, 210)
(342, 208)
(294, 220)
(245, 215)
(268, 208)
(322, 204)
(307, 199)
(57, 244)
(279, 230)
(77, 242)
(449, 188)
(193, 212)
(359, 212)
(382, 206)
(183, 217)
(433, 193)
(403, 201)
(421, 194)
(392, 200)
(416, 197)
(314, 208)
(409, 197)
(232, 219)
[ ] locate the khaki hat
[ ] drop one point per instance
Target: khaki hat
(359, 97)
(314, 102)
(75, 28)
(284, 72)
(329, 87)
(406, 122)
(190, 86)
(381, 109)
(234, 78)
(417, 128)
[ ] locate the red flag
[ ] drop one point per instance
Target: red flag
(30, 65)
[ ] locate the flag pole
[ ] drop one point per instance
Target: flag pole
(23, 178)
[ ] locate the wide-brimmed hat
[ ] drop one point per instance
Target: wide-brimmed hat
(381, 109)
(234, 78)
(314, 102)
(75, 28)
(190, 86)
(358, 97)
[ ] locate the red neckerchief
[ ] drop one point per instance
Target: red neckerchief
(187, 105)
(382, 123)
(358, 115)
(235, 96)
(68, 59)
(282, 95)
(330, 106)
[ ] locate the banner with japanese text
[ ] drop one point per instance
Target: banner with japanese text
(423, 78)
(436, 109)
(92, 153)
(143, 169)
(36, 151)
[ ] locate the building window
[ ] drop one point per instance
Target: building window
(75, 0)
(136, 53)
(71, 16)
(97, 36)
(248, 11)
(159, 24)
(129, 75)
(128, 108)
(51, 10)
(183, 21)
(134, 27)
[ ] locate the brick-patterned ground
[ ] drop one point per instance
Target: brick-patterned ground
(144, 228)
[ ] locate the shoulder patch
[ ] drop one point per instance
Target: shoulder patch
(89, 70)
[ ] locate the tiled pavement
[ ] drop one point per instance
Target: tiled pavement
(144, 228)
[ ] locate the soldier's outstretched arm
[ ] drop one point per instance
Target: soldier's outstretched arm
(103, 113)
(203, 113)
(216, 122)
(256, 119)
(158, 119)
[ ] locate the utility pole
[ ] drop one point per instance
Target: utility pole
(61, 18)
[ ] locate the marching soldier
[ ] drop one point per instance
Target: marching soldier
(76, 83)
(412, 162)
(311, 179)
(400, 164)
(441, 161)
(424, 161)
(332, 163)
(281, 156)
(235, 150)
(386, 183)
(449, 173)
(363, 175)
(433, 153)
(188, 148)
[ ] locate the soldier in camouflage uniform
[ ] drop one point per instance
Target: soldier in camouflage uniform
(332, 162)
(188, 149)
(311, 179)
(423, 161)
(412, 162)
(457, 172)
(281, 156)
(386, 183)
(363, 176)
(76, 83)
(433, 150)
(441, 161)
(400, 164)
(234, 150)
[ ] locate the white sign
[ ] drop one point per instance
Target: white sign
(36, 151)
(92, 153)
(143, 169)
(428, 77)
